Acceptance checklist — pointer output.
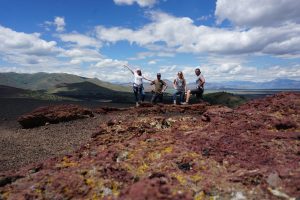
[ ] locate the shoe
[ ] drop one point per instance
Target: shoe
(137, 104)
(184, 103)
(174, 102)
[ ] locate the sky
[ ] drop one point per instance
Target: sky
(229, 40)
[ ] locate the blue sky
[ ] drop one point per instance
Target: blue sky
(228, 39)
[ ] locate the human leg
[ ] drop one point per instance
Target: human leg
(142, 94)
(160, 98)
(175, 97)
(154, 98)
(135, 92)
(182, 96)
(188, 95)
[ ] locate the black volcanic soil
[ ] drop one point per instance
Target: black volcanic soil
(19, 147)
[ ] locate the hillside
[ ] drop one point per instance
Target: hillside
(172, 152)
(12, 92)
(90, 91)
(48, 81)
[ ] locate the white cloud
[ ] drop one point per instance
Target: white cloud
(23, 48)
(80, 40)
(152, 62)
(258, 13)
(142, 3)
(174, 34)
(80, 55)
(205, 17)
(60, 24)
(110, 63)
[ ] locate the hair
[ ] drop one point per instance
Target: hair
(181, 76)
(197, 69)
(137, 71)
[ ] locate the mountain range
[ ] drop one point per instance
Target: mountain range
(61, 86)
(273, 84)
(65, 83)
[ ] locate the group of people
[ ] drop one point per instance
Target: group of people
(160, 86)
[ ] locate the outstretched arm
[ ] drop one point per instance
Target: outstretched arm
(128, 68)
(146, 79)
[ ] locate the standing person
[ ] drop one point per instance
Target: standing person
(159, 88)
(179, 85)
(199, 89)
(138, 88)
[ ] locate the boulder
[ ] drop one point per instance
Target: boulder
(53, 115)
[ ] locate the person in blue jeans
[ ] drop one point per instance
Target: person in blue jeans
(179, 85)
(138, 88)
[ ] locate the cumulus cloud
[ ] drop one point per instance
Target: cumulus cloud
(110, 63)
(180, 34)
(258, 13)
(80, 40)
(60, 24)
(141, 3)
(152, 62)
(23, 48)
(81, 55)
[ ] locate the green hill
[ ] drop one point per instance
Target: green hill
(12, 92)
(48, 81)
(224, 98)
(90, 91)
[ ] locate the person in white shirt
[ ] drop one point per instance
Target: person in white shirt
(138, 88)
(199, 89)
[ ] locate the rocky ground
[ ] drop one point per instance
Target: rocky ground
(172, 152)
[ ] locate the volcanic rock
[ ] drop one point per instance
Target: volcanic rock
(53, 115)
(175, 152)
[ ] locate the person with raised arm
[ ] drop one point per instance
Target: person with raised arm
(138, 88)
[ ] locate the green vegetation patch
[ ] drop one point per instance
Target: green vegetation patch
(224, 98)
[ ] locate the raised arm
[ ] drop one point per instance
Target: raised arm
(128, 68)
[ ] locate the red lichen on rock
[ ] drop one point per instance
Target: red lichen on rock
(178, 152)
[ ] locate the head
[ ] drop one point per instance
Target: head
(139, 71)
(197, 71)
(158, 76)
(180, 74)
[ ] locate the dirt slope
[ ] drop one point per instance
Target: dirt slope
(177, 152)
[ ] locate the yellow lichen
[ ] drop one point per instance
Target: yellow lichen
(154, 156)
(90, 182)
(67, 163)
(167, 150)
(196, 178)
(181, 179)
(199, 196)
(5, 195)
(142, 169)
(115, 189)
